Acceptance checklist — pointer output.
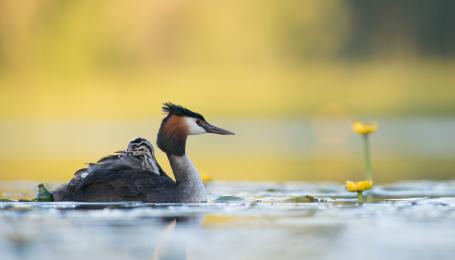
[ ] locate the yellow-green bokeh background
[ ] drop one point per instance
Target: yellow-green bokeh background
(78, 79)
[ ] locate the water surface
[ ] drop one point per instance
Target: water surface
(408, 220)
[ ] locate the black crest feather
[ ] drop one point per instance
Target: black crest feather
(180, 111)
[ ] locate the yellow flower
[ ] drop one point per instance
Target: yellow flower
(364, 128)
(359, 185)
(206, 179)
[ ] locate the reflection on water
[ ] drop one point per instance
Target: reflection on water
(410, 220)
(168, 246)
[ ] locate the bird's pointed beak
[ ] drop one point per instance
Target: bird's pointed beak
(215, 130)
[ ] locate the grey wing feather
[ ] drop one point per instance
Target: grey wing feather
(134, 158)
(126, 185)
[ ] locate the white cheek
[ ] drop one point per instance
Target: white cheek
(193, 127)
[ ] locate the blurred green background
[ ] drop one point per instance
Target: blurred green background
(79, 79)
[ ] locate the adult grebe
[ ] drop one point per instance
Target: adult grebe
(135, 175)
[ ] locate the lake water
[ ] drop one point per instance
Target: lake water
(406, 220)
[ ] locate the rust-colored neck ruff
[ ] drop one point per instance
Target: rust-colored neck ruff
(172, 135)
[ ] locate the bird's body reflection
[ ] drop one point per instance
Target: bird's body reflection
(170, 245)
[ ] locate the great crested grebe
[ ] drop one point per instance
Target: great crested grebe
(135, 175)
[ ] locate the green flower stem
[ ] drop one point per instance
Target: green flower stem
(360, 196)
(367, 158)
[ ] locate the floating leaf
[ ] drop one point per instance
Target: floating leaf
(43, 194)
(302, 199)
(229, 199)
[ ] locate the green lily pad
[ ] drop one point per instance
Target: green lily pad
(302, 199)
(43, 194)
(229, 199)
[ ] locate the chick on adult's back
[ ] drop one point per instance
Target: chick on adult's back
(135, 175)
